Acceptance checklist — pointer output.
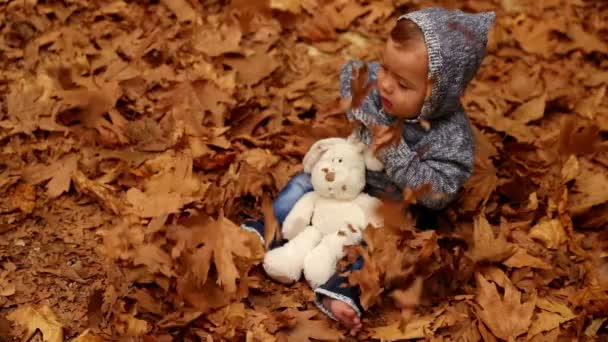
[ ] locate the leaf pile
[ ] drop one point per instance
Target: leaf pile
(135, 136)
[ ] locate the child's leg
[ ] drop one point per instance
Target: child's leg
(334, 288)
(297, 187)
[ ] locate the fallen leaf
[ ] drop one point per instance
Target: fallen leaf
(532, 110)
(551, 317)
(590, 189)
(87, 336)
(594, 327)
(522, 259)
(253, 69)
(128, 325)
(550, 232)
(506, 316)
(182, 9)
(418, 327)
(221, 241)
(487, 247)
(306, 329)
(41, 318)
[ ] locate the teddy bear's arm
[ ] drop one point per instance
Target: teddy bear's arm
(299, 217)
(370, 206)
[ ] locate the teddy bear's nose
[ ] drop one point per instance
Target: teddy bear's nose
(330, 176)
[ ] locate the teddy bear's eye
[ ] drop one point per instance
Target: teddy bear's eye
(340, 160)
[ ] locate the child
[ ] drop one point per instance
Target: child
(428, 60)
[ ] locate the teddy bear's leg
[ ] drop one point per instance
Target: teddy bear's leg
(320, 263)
(285, 263)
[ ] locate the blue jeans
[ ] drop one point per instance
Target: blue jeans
(297, 187)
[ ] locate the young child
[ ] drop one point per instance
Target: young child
(428, 60)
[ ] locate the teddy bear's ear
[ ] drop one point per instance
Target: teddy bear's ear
(316, 151)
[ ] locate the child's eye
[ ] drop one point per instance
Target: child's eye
(403, 85)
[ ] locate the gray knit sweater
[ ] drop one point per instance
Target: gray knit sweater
(444, 155)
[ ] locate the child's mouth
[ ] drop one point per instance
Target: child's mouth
(386, 103)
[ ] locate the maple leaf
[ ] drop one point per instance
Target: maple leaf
(307, 329)
(487, 247)
(385, 136)
(220, 241)
(504, 315)
(41, 318)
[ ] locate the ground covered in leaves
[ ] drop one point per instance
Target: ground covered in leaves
(136, 135)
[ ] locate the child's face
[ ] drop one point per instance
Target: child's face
(402, 80)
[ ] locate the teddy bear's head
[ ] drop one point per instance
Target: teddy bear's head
(340, 171)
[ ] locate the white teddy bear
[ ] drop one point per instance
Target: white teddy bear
(332, 216)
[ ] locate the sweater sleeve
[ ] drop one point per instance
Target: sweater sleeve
(443, 158)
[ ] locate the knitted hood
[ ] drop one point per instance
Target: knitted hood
(456, 44)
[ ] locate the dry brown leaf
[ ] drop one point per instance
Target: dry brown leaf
(532, 110)
(550, 232)
(571, 169)
(595, 325)
(506, 316)
(590, 189)
(306, 328)
(418, 327)
(41, 318)
(272, 229)
(87, 336)
(292, 6)
(221, 241)
(182, 9)
(221, 40)
(551, 317)
(487, 247)
(254, 69)
(522, 259)
(128, 325)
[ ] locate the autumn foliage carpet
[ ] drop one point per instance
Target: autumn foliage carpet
(135, 135)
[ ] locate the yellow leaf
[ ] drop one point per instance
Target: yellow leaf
(43, 319)
(550, 233)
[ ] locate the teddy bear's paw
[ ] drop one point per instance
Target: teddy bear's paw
(280, 267)
(318, 268)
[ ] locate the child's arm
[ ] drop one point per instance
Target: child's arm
(443, 158)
